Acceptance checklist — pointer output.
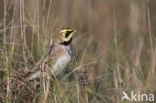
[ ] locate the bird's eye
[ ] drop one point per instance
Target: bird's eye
(68, 33)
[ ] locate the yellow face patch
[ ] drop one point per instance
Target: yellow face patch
(66, 34)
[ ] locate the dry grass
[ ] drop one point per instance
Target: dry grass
(115, 49)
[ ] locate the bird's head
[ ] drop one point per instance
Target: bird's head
(66, 35)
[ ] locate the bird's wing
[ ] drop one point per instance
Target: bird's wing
(52, 46)
(37, 66)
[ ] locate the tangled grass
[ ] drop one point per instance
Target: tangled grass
(114, 50)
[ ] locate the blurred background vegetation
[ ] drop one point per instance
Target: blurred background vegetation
(115, 46)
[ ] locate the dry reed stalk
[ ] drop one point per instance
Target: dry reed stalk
(47, 89)
(117, 75)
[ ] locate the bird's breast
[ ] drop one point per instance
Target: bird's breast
(62, 62)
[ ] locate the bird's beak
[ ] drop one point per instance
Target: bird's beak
(74, 31)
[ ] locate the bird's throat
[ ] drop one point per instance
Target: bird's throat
(66, 43)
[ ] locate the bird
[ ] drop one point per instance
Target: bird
(59, 54)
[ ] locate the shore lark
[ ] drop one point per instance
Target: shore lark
(59, 54)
